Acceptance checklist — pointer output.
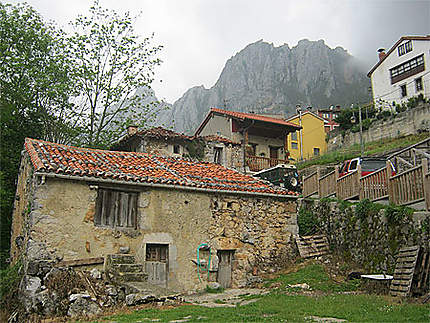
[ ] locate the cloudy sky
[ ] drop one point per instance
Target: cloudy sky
(200, 35)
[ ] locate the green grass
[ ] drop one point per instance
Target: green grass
(379, 147)
(315, 276)
(280, 305)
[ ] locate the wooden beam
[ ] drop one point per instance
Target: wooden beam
(81, 262)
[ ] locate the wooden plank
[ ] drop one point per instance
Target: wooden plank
(81, 262)
(404, 271)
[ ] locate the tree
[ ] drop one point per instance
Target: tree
(34, 94)
(113, 66)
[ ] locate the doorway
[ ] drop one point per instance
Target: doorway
(225, 267)
(157, 264)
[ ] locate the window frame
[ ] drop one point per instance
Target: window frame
(294, 145)
(403, 91)
(218, 152)
(177, 148)
(419, 84)
(109, 209)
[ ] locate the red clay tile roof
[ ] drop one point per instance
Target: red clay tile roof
(243, 116)
(394, 47)
(215, 138)
(162, 133)
(132, 167)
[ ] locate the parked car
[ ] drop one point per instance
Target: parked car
(368, 165)
(282, 175)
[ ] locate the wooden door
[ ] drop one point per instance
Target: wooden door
(156, 264)
(273, 156)
(225, 267)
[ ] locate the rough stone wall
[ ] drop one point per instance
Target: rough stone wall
(406, 123)
(162, 147)
(367, 234)
(232, 155)
(259, 229)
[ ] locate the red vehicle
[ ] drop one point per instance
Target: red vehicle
(368, 165)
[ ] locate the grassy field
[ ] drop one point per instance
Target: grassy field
(380, 147)
(325, 299)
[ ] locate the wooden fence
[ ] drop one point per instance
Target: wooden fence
(409, 187)
(257, 163)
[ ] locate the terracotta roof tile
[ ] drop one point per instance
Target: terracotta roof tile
(215, 138)
(48, 157)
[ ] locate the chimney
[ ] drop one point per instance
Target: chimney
(131, 130)
(381, 54)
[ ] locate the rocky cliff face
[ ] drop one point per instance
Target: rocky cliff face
(267, 79)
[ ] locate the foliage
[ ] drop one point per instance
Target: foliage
(34, 94)
(9, 282)
(412, 103)
(113, 69)
(196, 148)
(308, 222)
(211, 290)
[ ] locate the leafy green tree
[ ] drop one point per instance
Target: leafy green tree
(113, 66)
(34, 95)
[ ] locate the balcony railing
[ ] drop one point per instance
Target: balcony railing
(256, 163)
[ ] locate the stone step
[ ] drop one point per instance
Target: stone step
(120, 259)
(128, 277)
(128, 268)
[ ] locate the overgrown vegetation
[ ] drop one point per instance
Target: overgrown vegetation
(308, 222)
(380, 147)
(10, 278)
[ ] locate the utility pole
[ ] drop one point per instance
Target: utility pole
(299, 111)
(361, 132)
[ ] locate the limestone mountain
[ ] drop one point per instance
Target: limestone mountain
(272, 80)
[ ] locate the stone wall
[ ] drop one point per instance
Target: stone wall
(232, 155)
(406, 123)
(60, 226)
(368, 233)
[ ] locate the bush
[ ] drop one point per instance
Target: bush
(308, 222)
(9, 283)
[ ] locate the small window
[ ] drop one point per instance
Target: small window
(353, 165)
(176, 149)
(419, 84)
(294, 145)
(294, 136)
(218, 155)
(316, 151)
(405, 48)
(116, 209)
(157, 252)
(403, 90)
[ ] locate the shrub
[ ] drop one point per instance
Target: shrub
(308, 222)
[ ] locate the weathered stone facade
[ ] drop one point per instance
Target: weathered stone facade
(54, 220)
(232, 155)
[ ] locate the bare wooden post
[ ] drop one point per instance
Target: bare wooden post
(318, 181)
(390, 191)
(360, 189)
(336, 179)
(426, 183)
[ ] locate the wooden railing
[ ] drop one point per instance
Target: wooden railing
(310, 184)
(409, 187)
(348, 186)
(256, 163)
(327, 184)
(374, 186)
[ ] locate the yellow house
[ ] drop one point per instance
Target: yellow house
(311, 141)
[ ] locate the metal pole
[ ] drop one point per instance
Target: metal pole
(361, 132)
(299, 110)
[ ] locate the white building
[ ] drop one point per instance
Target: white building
(401, 73)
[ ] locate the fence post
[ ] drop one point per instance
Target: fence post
(336, 177)
(360, 189)
(391, 197)
(426, 183)
(318, 182)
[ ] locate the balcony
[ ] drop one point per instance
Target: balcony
(256, 163)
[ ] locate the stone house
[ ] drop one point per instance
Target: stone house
(183, 222)
(263, 139)
(155, 141)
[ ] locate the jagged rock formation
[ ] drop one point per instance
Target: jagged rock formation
(268, 79)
